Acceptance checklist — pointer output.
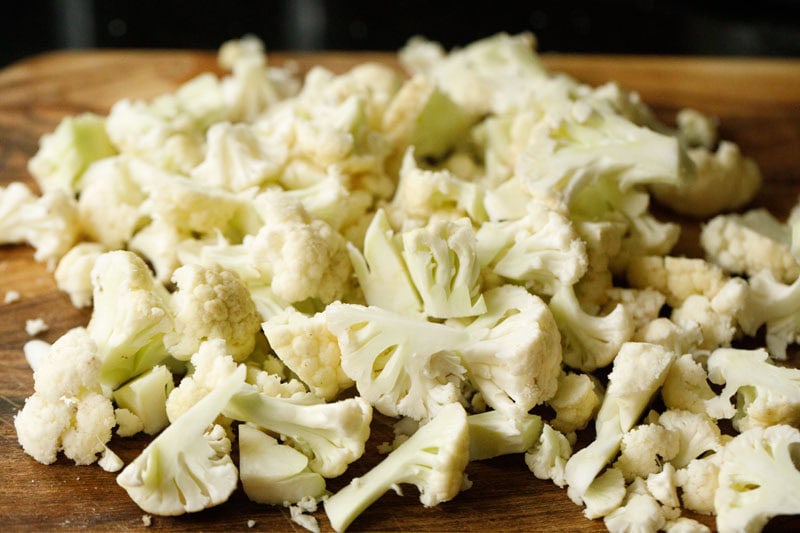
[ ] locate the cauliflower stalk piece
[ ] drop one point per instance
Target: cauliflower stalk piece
(211, 303)
(492, 434)
(145, 397)
(130, 318)
(68, 411)
(758, 478)
(433, 459)
(188, 467)
(767, 394)
(274, 473)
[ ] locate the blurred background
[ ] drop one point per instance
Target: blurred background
(762, 28)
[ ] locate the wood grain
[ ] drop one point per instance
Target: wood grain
(757, 102)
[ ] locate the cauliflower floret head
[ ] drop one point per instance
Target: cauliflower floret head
(644, 449)
(211, 303)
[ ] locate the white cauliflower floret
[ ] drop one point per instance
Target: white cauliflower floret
(541, 250)
(676, 277)
(749, 243)
(548, 457)
(576, 401)
(643, 305)
(110, 203)
(588, 341)
(775, 305)
(433, 459)
(73, 274)
(513, 354)
(303, 258)
(67, 411)
(662, 486)
(697, 435)
(698, 482)
(716, 317)
(158, 243)
(686, 387)
(726, 180)
(682, 339)
(684, 524)
(639, 371)
(422, 194)
(639, 512)
(211, 303)
(758, 478)
(402, 365)
(210, 365)
(49, 223)
(65, 153)
(603, 242)
(767, 394)
(644, 449)
(236, 159)
(308, 348)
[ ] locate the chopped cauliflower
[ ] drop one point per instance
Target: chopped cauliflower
(676, 277)
(576, 401)
(686, 387)
(698, 482)
(35, 326)
(644, 449)
(726, 180)
(73, 274)
(548, 457)
(211, 303)
(749, 243)
(67, 411)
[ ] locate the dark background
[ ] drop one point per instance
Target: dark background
(762, 28)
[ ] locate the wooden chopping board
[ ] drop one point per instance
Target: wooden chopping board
(757, 102)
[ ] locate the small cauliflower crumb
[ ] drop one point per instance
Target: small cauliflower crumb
(147, 520)
(299, 516)
(251, 523)
(35, 326)
(11, 297)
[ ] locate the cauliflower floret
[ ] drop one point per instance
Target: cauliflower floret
(211, 303)
(49, 223)
(644, 449)
(236, 159)
(159, 243)
(676, 277)
(686, 386)
(548, 457)
(540, 250)
(67, 411)
(310, 350)
(749, 243)
(210, 365)
(681, 339)
(716, 317)
(697, 435)
(643, 305)
(726, 180)
(767, 394)
(777, 305)
(304, 258)
(698, 482)
(603, 241)
(684, 524)
(640, 512)
(576, 401)
(758, 478)
(110, 203)
(65, 153)
(73, 274)
(662, 486)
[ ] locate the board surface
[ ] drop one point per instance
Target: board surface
(758, 105)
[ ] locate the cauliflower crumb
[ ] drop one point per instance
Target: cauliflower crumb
(11, 297)
(35, 326)
(251, 523)
(147, 520)
(299, 516)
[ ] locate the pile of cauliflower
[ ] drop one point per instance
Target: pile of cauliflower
(467, 247)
